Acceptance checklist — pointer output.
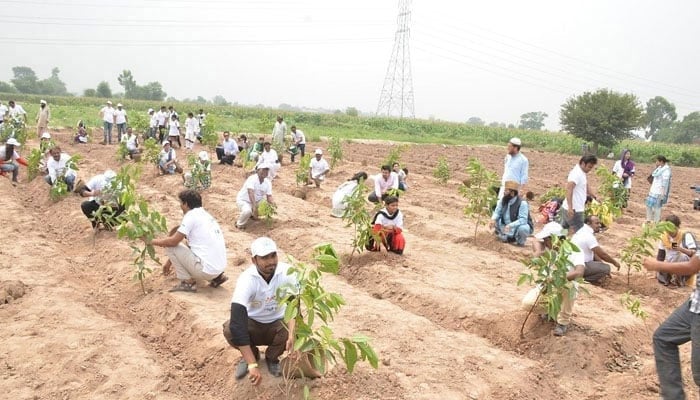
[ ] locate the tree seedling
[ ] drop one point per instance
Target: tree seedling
(642, 245)
(335, 149)
(442, 171)
(479, 193)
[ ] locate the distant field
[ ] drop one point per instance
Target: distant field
(66, 111)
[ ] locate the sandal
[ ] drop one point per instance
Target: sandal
(218, 281)
(185, 287)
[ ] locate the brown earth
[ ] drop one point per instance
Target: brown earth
(444, 317)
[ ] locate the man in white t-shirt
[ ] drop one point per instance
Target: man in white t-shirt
(257, 317)
(99, 193)
(16, 111)
(58, 168)
(593, 255)
(384, 181)
(318, 168)
(153, 123)
(571, 212)
(269, 156)
(255, 188)
(162, 117)
(205, 258)
(299, 140)
(121, 119)
(107, 115)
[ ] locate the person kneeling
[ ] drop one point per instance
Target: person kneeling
(387, 225)
(511, 218)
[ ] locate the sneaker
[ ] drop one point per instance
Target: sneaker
(184, 287)
(216, 282)
(274, 368)
(559, 330)
(241, 369)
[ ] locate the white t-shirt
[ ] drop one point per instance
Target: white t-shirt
(318, 167)
(259, 297)
(131, 142)
(381, 185)
(397, 221)
(578, 196)
(154, 120)
(269, 157)
(3, 111)
(16, 111)
(120, 115)
(299, 137)
(107, 114)
(260, 190)
(174, 128)
(586, 241)
(97, 182)
(57, 168)
(161, 116)
(164, 155)
(205, 239)
(338, 200)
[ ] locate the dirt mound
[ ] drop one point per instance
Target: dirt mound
(11, 291)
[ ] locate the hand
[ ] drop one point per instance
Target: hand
(506, 229)
(255, 376)
(167, 267)
(290, 344)
(617, 265)
(570, 213)
(492, 224)
(649, 264)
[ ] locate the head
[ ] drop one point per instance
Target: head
(171, 108)
(261, 139)
(190, 115)
(588, 162)
(530, 196)
(405, 170)
(294, 128)
(162, 108)
(267, 146)
(396, 167)
(173, 117)
(391, 203)
(150, 111)
(166, 146)
(672, 218)
(129, 131)
(119, 106)
(279, 118)
(189, 200)
(264, 252)
(594, 222)
(625, 155)
(549, 229)
(55, 153)
(243, 138)
(201, 111)
(203, 156)
(81, 124)
(362, 175)
(109, 103)
(386, 171)
(227, 135)
(661, 160)
(514, 145)
(10, 147)
(318, 154)
(45, 137)
(11, 103)
(42, 103)
(262, 171)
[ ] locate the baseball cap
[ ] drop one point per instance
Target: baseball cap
(515, 141)
(119, 105)
(150, 110)
(318, 151)
(263, 246)
(109, 102)
(109, 174)
(42, 102)
(203, 155)
(552, 228)
(166, 142)
(13, 142)
(46, 135)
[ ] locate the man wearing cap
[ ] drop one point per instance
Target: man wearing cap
(101, 193)
(16, 111)
(257, 318)
(318, 168)
(255, 188)
(593, 254)
(515, 167)
(568, 296)
(107, 115)
(205, 258)
(168, 160)
(228, 150)
(511, 218)
(299, 140)
(269, 157)
(59, 169)
(10, 159)
(571, 211)
(132, 142)
(121, 119)
(42, 118)
(279, 132)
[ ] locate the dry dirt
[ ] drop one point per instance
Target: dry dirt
(444, 317)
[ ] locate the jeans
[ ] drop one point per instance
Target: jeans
(108, 132)
(68, 179)
(121, 129)
(519, 235)
(7, 167)
(679, 328)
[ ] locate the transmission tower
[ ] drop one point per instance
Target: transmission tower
(397, 91)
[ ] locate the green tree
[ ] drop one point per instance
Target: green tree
(53, 85)
(659, 114)
(6, 87)
(603, 117)
(533, 120)
(103, 90)
(25, 80)
(126, 79)
(475, 121)
(682, 132)
(219, 100)
(89, 93)
(151, 91)
(352, 111)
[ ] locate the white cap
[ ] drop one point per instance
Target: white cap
(318, 151)
(119, 105)
(109, 102)
(203, 155)
(46, 135)
(150, 110)
(13, 141)
(42, 102)
(552, 228)
(515, 141)
(263, 246)
(264, 165)
(166, 143)
(109, 174)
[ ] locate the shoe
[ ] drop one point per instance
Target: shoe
(274, 368)
(184, 287)
(559, 330)
(216, 282)
(241, 369)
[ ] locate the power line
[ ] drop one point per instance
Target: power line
(170, 5)
(169, 43)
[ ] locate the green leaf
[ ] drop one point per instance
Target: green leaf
(350, 355)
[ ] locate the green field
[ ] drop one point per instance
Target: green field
(66, 111)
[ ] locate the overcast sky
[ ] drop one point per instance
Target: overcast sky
(491, 59)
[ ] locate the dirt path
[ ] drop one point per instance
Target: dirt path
(444, 317)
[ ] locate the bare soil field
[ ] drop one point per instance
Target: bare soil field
(444, 317)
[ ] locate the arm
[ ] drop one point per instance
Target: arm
(601, 254)
(679, 268)
(253, 203)
(171, 241)
(575, 273)
(377, 187)
(570, 185)
(240, 337)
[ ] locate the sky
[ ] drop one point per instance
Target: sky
(494, 59)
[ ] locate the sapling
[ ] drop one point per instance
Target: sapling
(208, 131)
(641, 246)
(245, 161)
(335, 149)
(442, 170)
(150, 152)
(479, 193)
(122, 151)
(34, 161)
(313, 308)
(357, 216)
(611, 190)
(548, 273)
(267, 211)
(59, 189)
(634, 305)
(302, 172)
(199, 177)
(395, 154)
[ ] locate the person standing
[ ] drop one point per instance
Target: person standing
(624, 169)
(571, 211)
(257, 317)
(174, 131)
(204, 257)
(659, 190)
(3, 113)
(256, 188)
(121, 119)
(191, 129)
(107, 115)
(162, 117)
(681, 327)
(152, 123)
(515, 167)
(318, 168)
(299, 141)
(202, 119)
(279, 132)
(42, 118)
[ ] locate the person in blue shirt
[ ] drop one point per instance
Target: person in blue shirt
(511, 218)
(515, 167)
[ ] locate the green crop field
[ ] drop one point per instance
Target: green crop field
(66, 111)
